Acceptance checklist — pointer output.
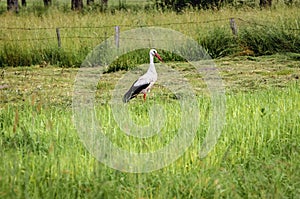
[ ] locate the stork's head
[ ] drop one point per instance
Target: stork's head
(154, 53)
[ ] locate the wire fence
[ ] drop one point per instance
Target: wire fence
(111, 26)
(106, 27)
(69, 45)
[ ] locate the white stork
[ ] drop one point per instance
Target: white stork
(145, 82)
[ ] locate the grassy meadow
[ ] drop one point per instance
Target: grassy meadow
(256, 156)
(30, 38)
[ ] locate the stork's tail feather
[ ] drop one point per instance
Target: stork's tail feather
(133, 92)
(128, 96)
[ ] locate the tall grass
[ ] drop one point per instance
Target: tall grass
(271, 41)
(256, 156)
(260, 31)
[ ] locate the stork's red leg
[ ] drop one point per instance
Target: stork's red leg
(144, 96)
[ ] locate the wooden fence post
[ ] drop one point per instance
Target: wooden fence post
(117, 30)
(13, 5)
(58, 37)
(105, 39)
(233, 27)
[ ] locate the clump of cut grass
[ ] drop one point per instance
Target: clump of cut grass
(133, 59)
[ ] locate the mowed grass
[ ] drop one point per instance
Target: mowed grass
(256, 156)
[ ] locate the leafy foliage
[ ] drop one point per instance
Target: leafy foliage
(180, 5)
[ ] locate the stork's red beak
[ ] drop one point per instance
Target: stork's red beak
(158, 56)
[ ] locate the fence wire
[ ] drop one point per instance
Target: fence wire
(3, 28)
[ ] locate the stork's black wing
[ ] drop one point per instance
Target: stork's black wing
(134, 91)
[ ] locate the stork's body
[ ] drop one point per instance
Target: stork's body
(145, 82)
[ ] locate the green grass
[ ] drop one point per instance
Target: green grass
(257, 155)
(260, 32)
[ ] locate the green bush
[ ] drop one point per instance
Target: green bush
(14, 56)
(269, 40)
(138, 57)
(219, 43)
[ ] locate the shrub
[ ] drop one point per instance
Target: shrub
(266, 41)
(219, 43)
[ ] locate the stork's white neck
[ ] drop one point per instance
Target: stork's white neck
(152, 67)
(151, 59)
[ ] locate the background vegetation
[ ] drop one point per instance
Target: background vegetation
(30, 38)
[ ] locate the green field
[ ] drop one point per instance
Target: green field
(256, 156)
